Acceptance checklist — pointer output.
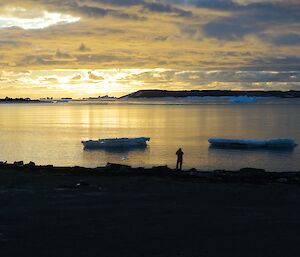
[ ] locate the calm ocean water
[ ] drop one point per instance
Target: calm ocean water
(52, 133)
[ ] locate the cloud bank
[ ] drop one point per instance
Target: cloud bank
(179, 35)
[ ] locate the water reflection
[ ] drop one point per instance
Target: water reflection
(52, 134)
(238, 148)
(134, 156)
(120, 150)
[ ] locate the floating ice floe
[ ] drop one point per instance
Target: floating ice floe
(116, 143)
(275, 143)
(242, 99)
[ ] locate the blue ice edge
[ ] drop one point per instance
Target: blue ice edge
(274, 143)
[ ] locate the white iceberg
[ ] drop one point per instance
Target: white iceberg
(242, 99)
(116, 143)
(275, 143)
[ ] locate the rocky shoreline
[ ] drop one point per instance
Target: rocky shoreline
(118, 210)
(244, 175)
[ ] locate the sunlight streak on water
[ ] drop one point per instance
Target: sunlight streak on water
(51, 133)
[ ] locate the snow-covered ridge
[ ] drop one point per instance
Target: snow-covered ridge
(116, 143)
(253, 143)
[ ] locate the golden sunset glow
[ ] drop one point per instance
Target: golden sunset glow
(84, 48)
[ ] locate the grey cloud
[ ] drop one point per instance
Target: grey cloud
(123, 15)
(62, 58)
(107, 31)
(262, 7)
(83, 48)
(252, 19)
(99, 58)
(153, 76)
(229, 28)
(278, 63)
(119, 2)
(211, 4)
(62, 55)
(41, 60)
(239, 76)
(232, 54)
(286, 39)
(14, 43)
(92, 11)
(222, 79)
(161, 38)
(166, 8)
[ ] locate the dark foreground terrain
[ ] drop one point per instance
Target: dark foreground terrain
(62, 214)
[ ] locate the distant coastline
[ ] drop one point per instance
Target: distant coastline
(213, 93)
(18, 100)
(153, 93)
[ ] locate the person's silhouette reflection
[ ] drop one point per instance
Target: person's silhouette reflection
(179, 154)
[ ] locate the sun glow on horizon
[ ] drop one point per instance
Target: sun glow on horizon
(81, 83)
(75, 83)
(79, 48)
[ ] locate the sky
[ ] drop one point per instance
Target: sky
(82, 48)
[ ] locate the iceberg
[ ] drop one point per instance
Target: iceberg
(113, 143)
(275, 143)
(242, 99)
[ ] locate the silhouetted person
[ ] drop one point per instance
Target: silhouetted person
(179, 154)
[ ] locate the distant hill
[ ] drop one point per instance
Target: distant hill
(166, 93)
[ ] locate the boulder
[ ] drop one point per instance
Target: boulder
(30, 165)
(117, 167)
(19, 164)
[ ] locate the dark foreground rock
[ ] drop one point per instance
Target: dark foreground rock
(247, 175)
(60, 212)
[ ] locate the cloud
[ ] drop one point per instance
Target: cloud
(266, 1)
(281, 63)
(98, 58)
(120, 2)
(62, 55)
(92, 11)
(166, 8)
(12, 43)
(237, 35)
(50, 80)
(195, 77)
(76, 83)
(286, 39)
(229, 28)
(67, 8)
(93, 76)
(219, 5)
(37, 60)
(83, 48)
(253, 18)
(44, 20)
(76, 77)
